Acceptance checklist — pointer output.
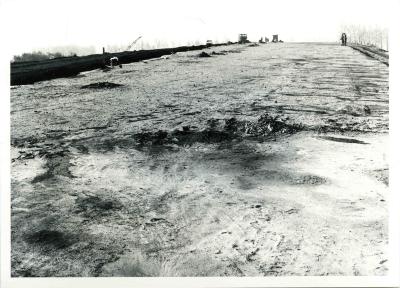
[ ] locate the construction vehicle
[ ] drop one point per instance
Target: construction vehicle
(114, 61)
(243, 39)
(110, 63)
(275, 38)
(133, 43)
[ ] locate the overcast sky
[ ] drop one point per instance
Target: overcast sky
(36, 24)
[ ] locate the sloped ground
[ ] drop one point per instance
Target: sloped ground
(373, 52)
(257, 161)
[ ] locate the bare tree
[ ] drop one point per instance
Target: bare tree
(363, 35)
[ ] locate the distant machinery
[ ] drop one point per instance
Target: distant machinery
(133, 43)
(243, 39)
(275, 38)
(114, 61)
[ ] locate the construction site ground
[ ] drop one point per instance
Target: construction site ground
(265, 160)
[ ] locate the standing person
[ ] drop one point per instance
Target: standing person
(344, 39)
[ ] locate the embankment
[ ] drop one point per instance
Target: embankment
(373, 52)
(23, 73)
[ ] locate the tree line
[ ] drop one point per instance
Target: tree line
(372, 36)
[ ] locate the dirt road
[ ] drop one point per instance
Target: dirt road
(257, 161)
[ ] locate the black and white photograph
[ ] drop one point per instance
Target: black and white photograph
(175, 140)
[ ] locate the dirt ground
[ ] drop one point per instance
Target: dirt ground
(256, 161)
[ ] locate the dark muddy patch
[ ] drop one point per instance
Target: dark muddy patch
(316, 111)
(309, 180)
(205, 136)
(217, 131)
(58, 164)
(343, 140)
(217, 53)
(291, 178)
(51, 238)
(24, 155)
(266, 125)
(203, 55)
(232, 51)
(270, 124)
(246, 183)
(101, 85)
(93, 206)
(381, 175)
(355, 110)
(220, 130)
(181, 137)
(298, 59)
(343, 125)
(25, 142)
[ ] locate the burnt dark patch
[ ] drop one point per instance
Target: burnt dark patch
(231, 124)
(154, 138)
(157, 219)
(24, 142)
(101, 85)
(181, 137)
(93, 206)
(205, 136)
(343, 140)
(218, 131)
(51, 239)
(268, 124)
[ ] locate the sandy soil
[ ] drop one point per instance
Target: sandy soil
(257, 161)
